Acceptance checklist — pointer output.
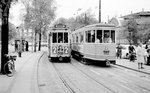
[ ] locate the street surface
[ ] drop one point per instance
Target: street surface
(36, 74)
(75, 77)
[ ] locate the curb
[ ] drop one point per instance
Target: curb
(36, 86)
(133, 69)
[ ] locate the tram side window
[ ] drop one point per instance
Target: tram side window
(76, 38)
(90, 36)
(65, 37)
(54, 37)
(86, 36)
(93, 36)
(107, 37)
(73, 38)
(98, 36)
(81, 37)
(113, 36)
(60, 37)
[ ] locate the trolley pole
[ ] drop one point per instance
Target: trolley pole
(99, 11)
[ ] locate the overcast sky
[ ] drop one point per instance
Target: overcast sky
(111, 8)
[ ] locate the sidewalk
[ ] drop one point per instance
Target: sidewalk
(6, 82)
(132, 65)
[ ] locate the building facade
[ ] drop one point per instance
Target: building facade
(141, 18)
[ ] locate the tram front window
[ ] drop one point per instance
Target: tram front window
(60, 37)
(54, 37)
(65, 37)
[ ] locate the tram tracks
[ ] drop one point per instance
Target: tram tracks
(91, 80)
(63, 80)
(127, 84)
(94, 79)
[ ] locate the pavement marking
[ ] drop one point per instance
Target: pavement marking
(94, 71)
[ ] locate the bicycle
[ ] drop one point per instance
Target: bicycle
(9, 67)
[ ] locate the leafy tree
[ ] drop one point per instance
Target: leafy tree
(12, 31)
(85, 18)
(131, 28)
(39, 16)
(144, 31)
(4, 8)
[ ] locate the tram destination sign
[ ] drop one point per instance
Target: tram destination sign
(59, 26)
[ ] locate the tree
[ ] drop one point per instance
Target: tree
(4, 7)
(144, 31)
(39, 17)
(85, 18)
(12, 31)
(131, 28)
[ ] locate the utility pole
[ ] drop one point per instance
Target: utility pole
(99, 11)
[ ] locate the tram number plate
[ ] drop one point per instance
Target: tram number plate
(106, 52)
(60, 53)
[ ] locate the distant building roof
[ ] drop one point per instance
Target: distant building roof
(143, 13)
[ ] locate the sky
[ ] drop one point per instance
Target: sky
(109, 8)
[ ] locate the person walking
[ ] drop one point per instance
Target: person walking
(131, 52)
(119, 51)
(19, 48)
(140, 56)
(27, 46)
(147, 47)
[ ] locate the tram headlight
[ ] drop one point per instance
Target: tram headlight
(54, 49)
(66, 49)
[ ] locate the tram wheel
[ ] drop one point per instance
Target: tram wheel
(84, 61)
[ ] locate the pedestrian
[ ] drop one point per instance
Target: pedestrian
(140, 56)
(16, 46)
(131, 52)
(147, 47)
(27, 46)
(19, 48)
(119, 51)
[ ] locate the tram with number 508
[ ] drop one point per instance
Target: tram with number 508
(94, 42)
(59, 43)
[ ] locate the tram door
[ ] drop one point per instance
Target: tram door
(90, 44)
(99, 45)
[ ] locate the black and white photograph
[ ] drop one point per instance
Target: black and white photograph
(74, 46)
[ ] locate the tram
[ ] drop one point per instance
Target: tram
(95, 42)
(59, 43)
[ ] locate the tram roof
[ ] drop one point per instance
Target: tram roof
(100, 25)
